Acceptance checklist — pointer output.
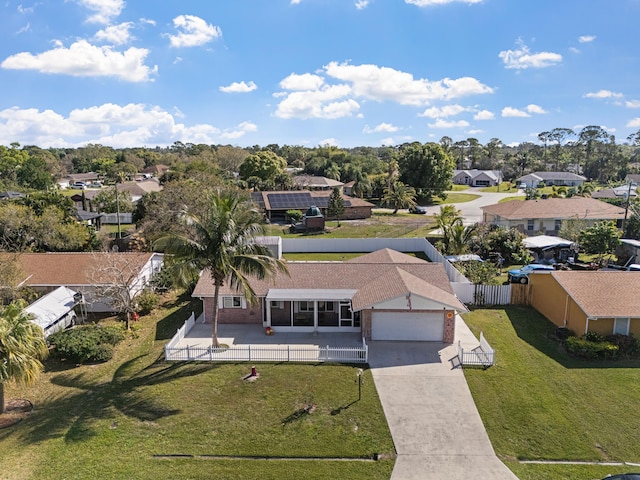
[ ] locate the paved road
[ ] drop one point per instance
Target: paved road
(471, 211)
(436, 428)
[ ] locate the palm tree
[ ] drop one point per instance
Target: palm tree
(222, 241)
(460, 237)
(449, 222)
(399, 196)
(22, 347)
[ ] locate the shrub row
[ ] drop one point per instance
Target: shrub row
(593, 346)
(91, 343)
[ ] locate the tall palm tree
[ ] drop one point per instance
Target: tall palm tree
(22, 347)
(399, 196)
(221, 240)
(460, 237)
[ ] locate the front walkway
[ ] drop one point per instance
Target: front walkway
(436, 428)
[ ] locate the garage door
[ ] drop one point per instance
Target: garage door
(407, 326)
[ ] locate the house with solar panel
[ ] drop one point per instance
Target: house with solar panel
(275, 204)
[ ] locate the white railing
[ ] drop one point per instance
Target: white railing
(483, 355)
(269, 353)
(182, 332)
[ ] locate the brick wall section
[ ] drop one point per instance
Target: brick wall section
(250, 315)
(365, 323)
(449, 326)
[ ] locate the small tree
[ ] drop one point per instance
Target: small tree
(22, 347)
(399, 196)
(294, 215)
(336, 205)
(601, 238)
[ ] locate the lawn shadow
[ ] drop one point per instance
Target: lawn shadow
(540, 333)
(167, 326)
(74, 417)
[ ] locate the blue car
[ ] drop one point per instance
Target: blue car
(521, 275)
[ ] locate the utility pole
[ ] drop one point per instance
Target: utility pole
(626, 206)
(118, 212)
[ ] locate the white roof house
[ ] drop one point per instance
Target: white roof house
(54, 311)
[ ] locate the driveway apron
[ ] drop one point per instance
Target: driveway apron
(436, 428)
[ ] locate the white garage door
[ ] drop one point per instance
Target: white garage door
(407, 326)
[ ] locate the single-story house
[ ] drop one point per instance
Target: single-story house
(78, 177)
(633, 178)
(347, 188)
(629, 249)
(477, 178)
(91, 219)
(620, 192)
(54, 311)
(138, 189)
(156, 170)
(566, 179)
(546, 215)
(384, 295)
(88, 273)
(275, 204)
(604, 302)
(11, 195)
(550, 249)
(310, 182)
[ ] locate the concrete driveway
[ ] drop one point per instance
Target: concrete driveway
(436, 428)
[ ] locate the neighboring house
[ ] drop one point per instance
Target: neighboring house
(90, 219)
(385, 295)
(86, 272)
(477, 178)
(566, 179)
(633, 178)
(138, 189)
(309, 182)
(546, 216)
(604, 302)
(629, 250)
(347, 188)
(10, 195)
(276, 204)
(79, 177)
(620, 192)
(156, 170)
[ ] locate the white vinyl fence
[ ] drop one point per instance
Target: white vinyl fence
(269, 353)
(182, 332)
(472, 294)
(481, 356)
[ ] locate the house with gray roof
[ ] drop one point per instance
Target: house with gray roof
(477, 178)
(384, 295)
(564, 179)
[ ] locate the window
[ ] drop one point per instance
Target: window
(232, 302)
(277, 304)
(305, 306)
(325, 306)
(621, 326)
(530, 225)
(558, 225)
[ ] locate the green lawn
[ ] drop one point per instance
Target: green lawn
(539, 404)
(504, 187)
(382, 224)
(108, 421)
(456, 198)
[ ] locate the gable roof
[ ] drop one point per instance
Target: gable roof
(310, 181)
(556, 208)
(599, 294)
(554, 176)
(301, 200)
(474, 172)
(373, 279)
(57, 269)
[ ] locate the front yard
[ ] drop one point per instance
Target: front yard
(539, 404)
(139, 417)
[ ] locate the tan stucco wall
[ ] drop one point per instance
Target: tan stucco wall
(602, 326)
(550, 299)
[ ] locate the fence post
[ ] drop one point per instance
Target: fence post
(288, 353)
(188, 354)
(249, 352)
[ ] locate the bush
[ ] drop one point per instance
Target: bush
(591, 350)
(162, 281)
(628, 345)
(92, 343)
(294, 215)
(147, 300)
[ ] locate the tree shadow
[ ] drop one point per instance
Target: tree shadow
(73, 417)
(540, 333)
(167, 326)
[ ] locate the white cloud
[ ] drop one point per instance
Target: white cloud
(522, 58)
(603, 94)
(533, 108)
(119, 126)
(440, 123)
(306, 81)
(309, 96)
(513, 112)
(383, 83)
(586, 38)
(24, 29)
(239, 87)
(332, 142)
(115, 34)
(104, 10)
(443, 112)
(295, 2)
(25, 10)
(633, 123)
(484, 115)
(193, 31)
(383, 127)
(475, 132)
(429, 3)
(574, 50)
(632, 104)
(360, 4)
(82, 59)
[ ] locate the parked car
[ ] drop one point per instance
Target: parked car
(96, 185)
(521, 275)
(79, 185)
(623, 476)
(419, 210)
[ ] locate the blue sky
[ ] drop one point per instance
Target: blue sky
(314, 72)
